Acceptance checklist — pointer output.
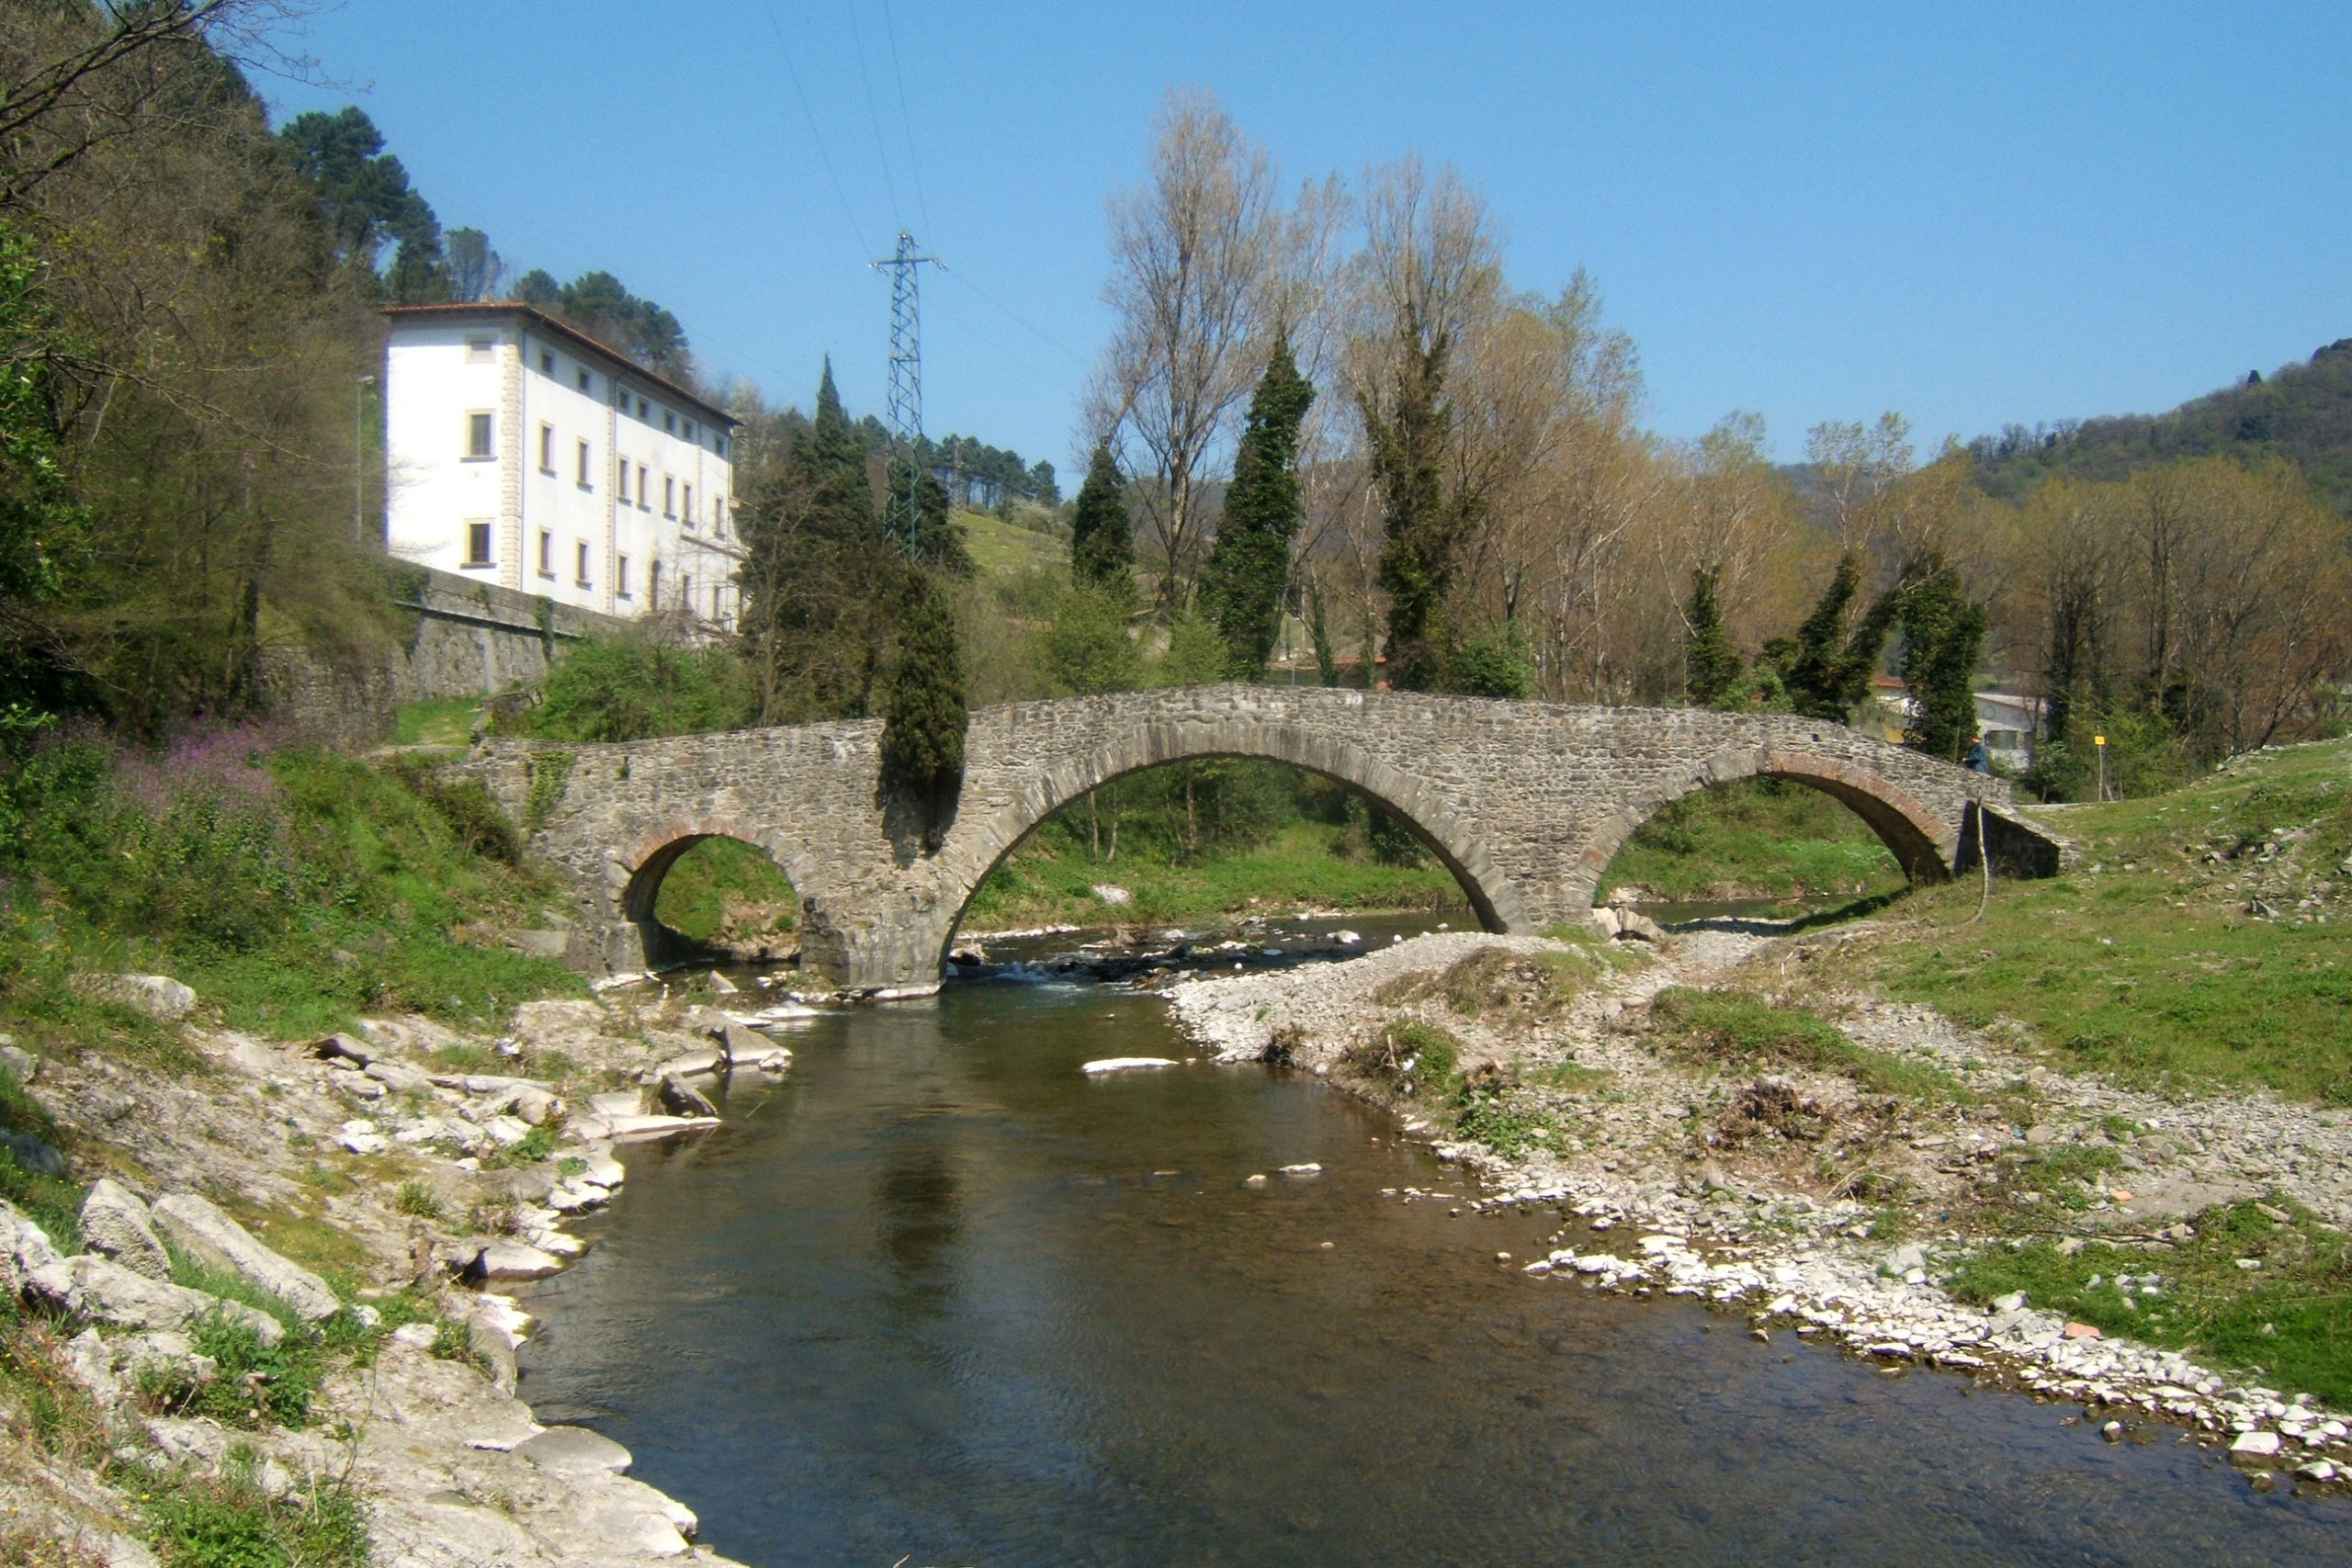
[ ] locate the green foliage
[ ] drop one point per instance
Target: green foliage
(1242, 588)
(1195, 655)
(477, 822)
(1755, 839)
(1943, 633)
(365, 200)
(1102, 539)
(42, 530)
(1743, 1033)
(450, 722)
(1491, 662)
(290, 889)
(720, 879)
(533, 1147)
(1419, 1059)
(2143, 756)
(418, 1200)
(232, 1522)
(598, 304)
(1827, 667)
(1090, 649)
(1424, 528)
(551, 774)
(2290, 1321)
(1501, 1117)
(1710, 664)
(257, 1384)
(923, 717)
(927, 535)
(636, 687)
(54, 1202)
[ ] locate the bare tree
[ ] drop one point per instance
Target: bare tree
(1192, 251)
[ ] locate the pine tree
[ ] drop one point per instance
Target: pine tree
(1710, 662)
(1102, 540)
(1829, 673)
(1249, 569)
(1943, 633)
(923, 716)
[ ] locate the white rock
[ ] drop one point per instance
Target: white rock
(507, 1131)
(399, 1076)
(639, 1129)
(419, 1335)
(1125, 1064)
(157, 996)
(627, 1103)
(103, 1290)
(1309, 1168)
(515, 1260)
(2258, 1445)
(196, 1226)
(574, 1451)
(116, 1225)
(24, 1248)
(1112, 896)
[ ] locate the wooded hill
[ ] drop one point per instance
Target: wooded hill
(2302, 412)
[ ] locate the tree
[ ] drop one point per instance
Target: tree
(1090, 649)
(923, 716)
(600, 305)
(1828, 669)
(935, 541)
(1711, 662)
(365, 197)
(1944, 634)
(42, 531)
(1421, 531)
(1190, 252)
(1102, 545)
(1248, 568)
(476, 272)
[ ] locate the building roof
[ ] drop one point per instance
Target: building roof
(630, 369)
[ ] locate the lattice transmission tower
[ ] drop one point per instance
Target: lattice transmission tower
(906, 384)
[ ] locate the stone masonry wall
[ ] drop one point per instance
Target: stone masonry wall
(1526, 803)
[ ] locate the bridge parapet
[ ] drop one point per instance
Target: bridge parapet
(1525, 803)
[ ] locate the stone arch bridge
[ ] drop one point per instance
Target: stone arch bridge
(1525, 803)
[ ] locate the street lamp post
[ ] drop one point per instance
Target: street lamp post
(358, 453)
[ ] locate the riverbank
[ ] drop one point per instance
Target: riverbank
(1869, 1177)
(371, 1196)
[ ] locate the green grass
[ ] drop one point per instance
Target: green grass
(702, 885)
(1756, 838)
(2149, 970)
(1739, 1030)
(2288, 1323)
(230, 1522)
(1004, 550)
(1043, 884)
(448, 722)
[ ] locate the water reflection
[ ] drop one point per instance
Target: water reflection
(942, 1294)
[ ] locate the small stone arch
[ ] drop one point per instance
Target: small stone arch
(648, 859)
(1923, 845)
(980, 845)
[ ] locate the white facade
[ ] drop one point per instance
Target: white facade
(522, 451)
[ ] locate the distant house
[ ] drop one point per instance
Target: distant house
(524, 453)
(2007, 722)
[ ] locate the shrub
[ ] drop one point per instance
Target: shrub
(232, 1523)
(417, 1198)
(636, 687)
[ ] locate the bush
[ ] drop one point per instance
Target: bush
(232, 1523)
(1743, 1032)
(636, 687)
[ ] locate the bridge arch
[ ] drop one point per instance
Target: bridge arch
(977, 847)
(642, 866)
(1918, 840)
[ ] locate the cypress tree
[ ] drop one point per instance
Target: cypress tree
(1830, 672)
(923, 714)
(1102, 540)
(1710, 662)
(1423, 531)
(1943, 633)
(1241, 591)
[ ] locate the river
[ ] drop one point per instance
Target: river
(939, 1296)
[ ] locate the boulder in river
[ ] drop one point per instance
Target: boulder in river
(1125, 1064)
(574, 1450)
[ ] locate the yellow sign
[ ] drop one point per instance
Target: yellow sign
(2098, 739)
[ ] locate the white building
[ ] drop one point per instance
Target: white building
(526, 453)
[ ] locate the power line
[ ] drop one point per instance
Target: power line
(1017, 318)
(906, 121)
(815, 135)
(874, 115)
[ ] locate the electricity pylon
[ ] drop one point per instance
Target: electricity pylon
(906, 385)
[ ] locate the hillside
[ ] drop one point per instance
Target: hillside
(2303, 412)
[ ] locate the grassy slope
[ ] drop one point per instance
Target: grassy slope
(1758, 838)
(1040, 884)
(2146, 963)
(1001, 549)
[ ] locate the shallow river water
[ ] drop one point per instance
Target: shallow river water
(939, 1296)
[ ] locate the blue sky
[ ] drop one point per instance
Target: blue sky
(1973, 215)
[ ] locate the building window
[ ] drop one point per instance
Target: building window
(477, 544)
(669, 421)
(644, 409)
(620, 577)
(644, 488)
(477, 435)
(477, 350)
(686, 506)
(547, 554)
(686, 593)
(585, 481)
(722, 446)
(620, 397)
(547, 363)
(653, 585)
(690, 430)
(669, 496)
(581, 575)
(587, 382)
(718, 515)
(547, 448)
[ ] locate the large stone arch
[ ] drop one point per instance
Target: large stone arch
(1921, 842)
(977, 847)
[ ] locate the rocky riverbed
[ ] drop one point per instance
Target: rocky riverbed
(1686, 1185)
(435, 1168)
